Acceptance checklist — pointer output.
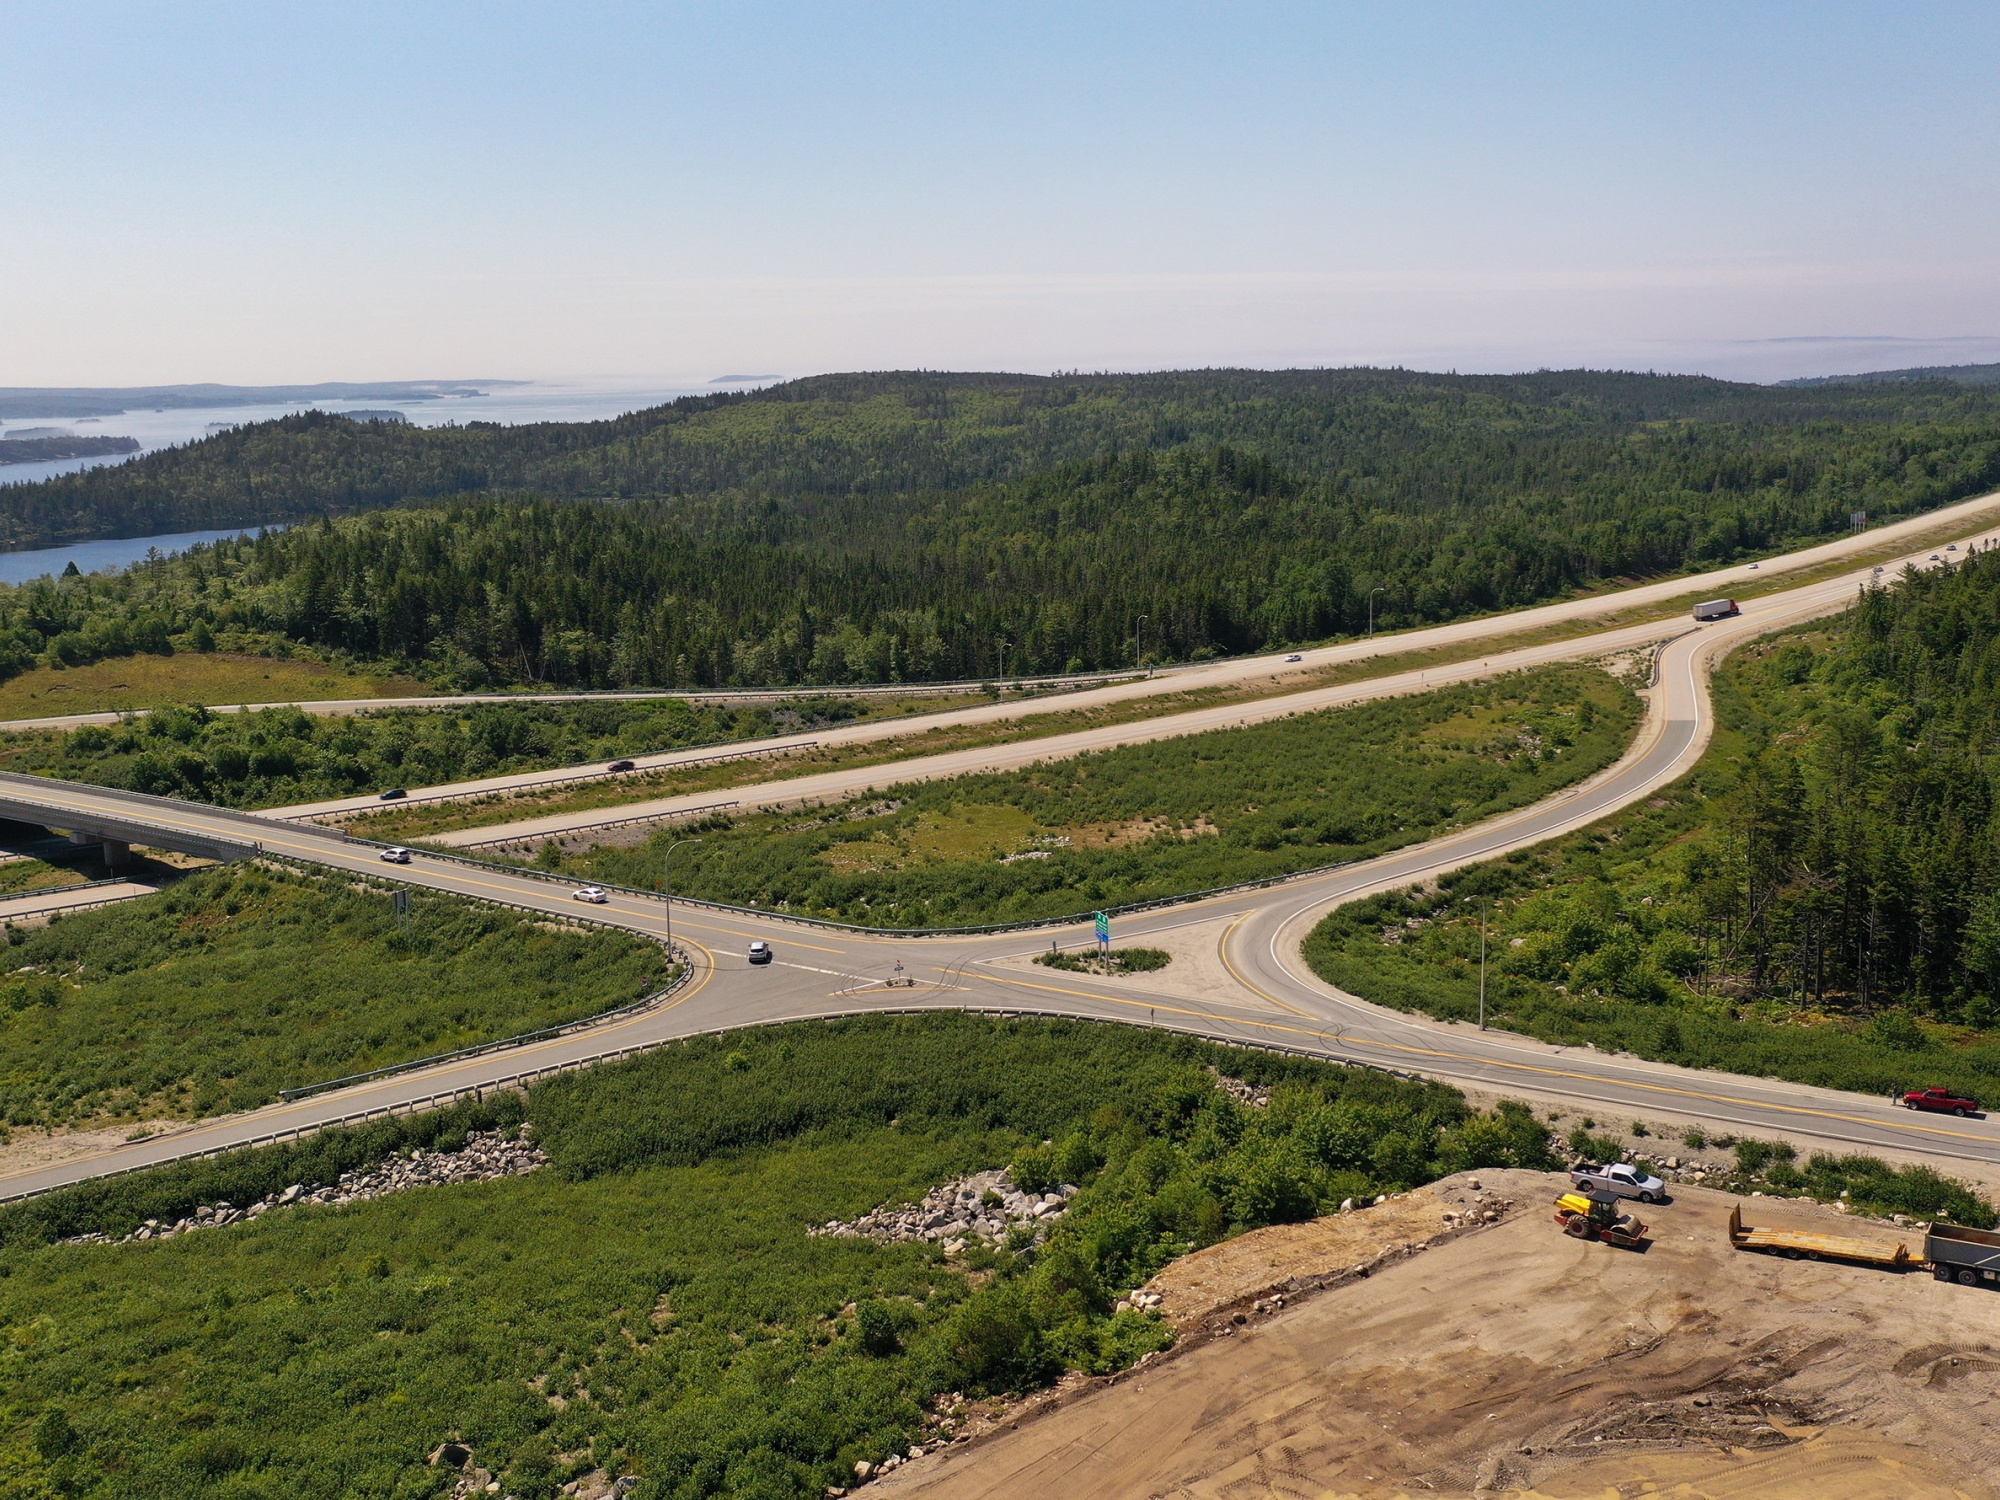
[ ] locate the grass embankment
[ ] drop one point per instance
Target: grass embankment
(21, 876)
(280, 756)
(236, 982)
(653, 1301)
(1158, 819)
(147, 681)
(1819, 901)
(420, 822)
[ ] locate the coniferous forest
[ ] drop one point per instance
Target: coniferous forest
(915, 526)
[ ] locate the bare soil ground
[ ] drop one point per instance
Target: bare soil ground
(1508, 1359)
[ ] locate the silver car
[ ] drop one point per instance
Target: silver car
(396, 856)
(1624, 1179)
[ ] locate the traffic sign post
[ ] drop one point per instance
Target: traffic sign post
(1103, 935)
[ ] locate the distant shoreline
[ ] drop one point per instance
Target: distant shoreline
(21, 401)
(39, 450)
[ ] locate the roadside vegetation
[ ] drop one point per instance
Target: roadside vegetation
(919, 526)
(149, 679)
(1819, 901)
(1158, 819)
(1117, 961)
(239, 981)
(651, 1302)
(279, 756)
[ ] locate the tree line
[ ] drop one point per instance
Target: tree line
(1394, 439)
(1180, 553)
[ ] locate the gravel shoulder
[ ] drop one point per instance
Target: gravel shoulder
(1506, 1358)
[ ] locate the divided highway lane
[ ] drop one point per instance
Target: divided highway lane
(1278, 674)
(1268, 997)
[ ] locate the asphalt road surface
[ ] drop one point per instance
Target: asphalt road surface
(1256, 990)
(1271, 672)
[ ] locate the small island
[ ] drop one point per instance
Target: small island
(42, 444)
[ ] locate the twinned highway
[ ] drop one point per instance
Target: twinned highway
(1237, 976)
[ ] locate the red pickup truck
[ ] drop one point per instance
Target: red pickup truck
(1943, 1101)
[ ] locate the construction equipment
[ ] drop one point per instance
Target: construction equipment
(1971, 1257)
(1803, 1244)
(1598, 1216)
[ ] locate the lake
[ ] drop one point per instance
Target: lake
(530, 401)
(89, 557)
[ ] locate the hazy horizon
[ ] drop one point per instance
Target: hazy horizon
(251, 196)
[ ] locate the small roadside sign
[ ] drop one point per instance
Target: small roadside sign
(1103, 928)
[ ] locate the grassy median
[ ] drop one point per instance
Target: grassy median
(239, 981)
(1162, 818)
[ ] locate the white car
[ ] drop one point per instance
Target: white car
(760, 952)
(594, 894)
(1295, 657)
(396, 856)
(1624, 1179)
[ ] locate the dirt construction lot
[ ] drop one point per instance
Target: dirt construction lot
(1509, 1359)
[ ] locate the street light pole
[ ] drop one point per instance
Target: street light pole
(667, 887)
(1483, 967)
(1383, 588)
(1002, 684)
(1136, 662)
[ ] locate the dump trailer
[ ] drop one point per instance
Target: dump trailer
(1716, 609)
(1970, 1257)
(1804, 1244)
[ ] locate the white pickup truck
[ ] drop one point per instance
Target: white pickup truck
(1624, 1179)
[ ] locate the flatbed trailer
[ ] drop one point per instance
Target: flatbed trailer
(1803, 1244)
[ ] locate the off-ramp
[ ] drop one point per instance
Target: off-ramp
(1263, 995)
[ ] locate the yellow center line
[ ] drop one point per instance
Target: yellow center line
(1222, 949)
(1461, 1057)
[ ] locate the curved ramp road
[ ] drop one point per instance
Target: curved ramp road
(1250, 984)
(1271, 672)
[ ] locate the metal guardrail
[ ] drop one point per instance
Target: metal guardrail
(567, 776)
(523, 1039)
(828, 924)
(528, 1076)
(529, 838)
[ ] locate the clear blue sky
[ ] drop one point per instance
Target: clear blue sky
(290, 192)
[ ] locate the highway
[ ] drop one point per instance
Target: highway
(1286, 687)
(1237, 976)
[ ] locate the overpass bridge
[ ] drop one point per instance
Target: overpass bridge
(117, 820)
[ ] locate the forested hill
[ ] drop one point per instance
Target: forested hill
(1382, 439)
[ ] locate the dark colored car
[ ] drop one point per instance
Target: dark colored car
(620, 765)
(393, 793)
(1940, 1101)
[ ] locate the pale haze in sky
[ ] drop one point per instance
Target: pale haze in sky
(288, 193)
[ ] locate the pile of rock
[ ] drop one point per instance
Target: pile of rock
(1241, 1092)
(1481, 1210)
(1139, 1300)
(484, 1158)
(476, 1479)
(981, 1208)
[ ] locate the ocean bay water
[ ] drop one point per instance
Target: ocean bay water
(92, 557)
(525, 401)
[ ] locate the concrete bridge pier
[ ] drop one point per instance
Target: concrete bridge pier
(117, 852)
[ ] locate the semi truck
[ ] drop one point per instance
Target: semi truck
(1716, 609)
